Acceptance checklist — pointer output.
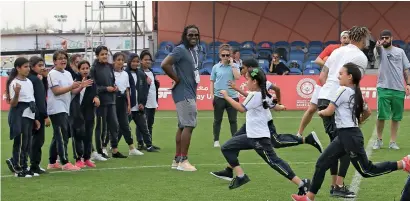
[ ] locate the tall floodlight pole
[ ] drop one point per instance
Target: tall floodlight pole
(61, 19)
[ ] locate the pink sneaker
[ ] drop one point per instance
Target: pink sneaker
(406, 160)
(299, 197)
(70, 167)
(53, 166)
(88, 163)
(80, 164)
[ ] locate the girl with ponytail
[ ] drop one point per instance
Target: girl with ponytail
(351, 111)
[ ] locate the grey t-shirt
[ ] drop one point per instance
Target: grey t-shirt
(184, 67)
(393, 62)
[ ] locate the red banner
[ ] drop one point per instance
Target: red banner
(296, 91)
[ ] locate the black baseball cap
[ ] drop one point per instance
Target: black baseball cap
(385, 33)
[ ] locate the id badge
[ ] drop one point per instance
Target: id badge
(197, 77)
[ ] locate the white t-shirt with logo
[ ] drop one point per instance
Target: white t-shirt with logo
(26, 94)
(152, 95)
(341, 56)
(256, 116)
(122, 81)
(61, 103)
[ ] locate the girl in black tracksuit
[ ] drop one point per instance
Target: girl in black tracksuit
(139, 94)
(153, 85)
(23, 114)
(82, 114)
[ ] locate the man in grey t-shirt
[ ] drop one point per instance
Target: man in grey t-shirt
(393, 84)
(185, 75)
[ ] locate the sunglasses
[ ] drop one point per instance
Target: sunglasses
(192, 35)
(385, 37)
(225, 55)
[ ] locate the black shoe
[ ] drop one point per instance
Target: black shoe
(343, 192)
(104, 155)
(141, 147)
(313, 140)
(305, 188)
(226, 174)
(38, 170)
(331, 189)
(152, 149)
(22, 174)
(31, 173)
(118, 155)
(10, 165)
(238, 181)
(158, 148)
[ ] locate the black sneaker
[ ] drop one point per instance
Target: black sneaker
(343, 192)
(157, 148)
(226, 174)
(38, 170)
(118, 155)
(305, 188)
(238, 181)
(331, 189)
(141, 147)
(22, 174)
(313, 140)
(10, 165)
(152, 149)
(31, 173)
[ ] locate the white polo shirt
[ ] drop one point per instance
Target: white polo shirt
(61, 103)
(152, 95)
(122, 81)
(256, 116)
(26, 94)
(338, 58)
(343, 99)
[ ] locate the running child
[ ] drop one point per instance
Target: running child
(351, 111)
(257, 133)
(22, 116)
(123, 102)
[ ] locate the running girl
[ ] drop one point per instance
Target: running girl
(351, 111)
(21, 116)
(257, 132)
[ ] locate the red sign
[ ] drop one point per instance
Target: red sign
(296, 91)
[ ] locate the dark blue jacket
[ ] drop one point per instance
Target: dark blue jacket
(40, 94)
(15, 117)
(141, 87)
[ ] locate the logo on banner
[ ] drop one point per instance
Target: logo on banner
(164, 92)
(305, 87)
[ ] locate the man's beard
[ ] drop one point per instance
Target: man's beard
(387, 45)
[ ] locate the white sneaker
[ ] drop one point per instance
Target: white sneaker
(216, 144)
(97, 157)
(174, 165)
(378, 144)
(135, 152)
(393, 145)
(58, 159)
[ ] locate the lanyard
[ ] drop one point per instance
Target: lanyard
(196, 62)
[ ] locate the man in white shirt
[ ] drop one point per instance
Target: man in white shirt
(330, 72)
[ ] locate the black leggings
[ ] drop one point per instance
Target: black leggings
(122, 115)
(220, 105)
(330, 128)
(82, 140)
(262, 146)
(278, 140)
(61, 133)
(106, 121)
(349, 141)
(21, 145)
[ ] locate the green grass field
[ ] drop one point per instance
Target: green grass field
(150, 177)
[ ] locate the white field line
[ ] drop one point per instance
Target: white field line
(357, 178)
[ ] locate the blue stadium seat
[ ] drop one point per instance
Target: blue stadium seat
(235, 45)
(284, 44)
(315, 44)
(206, 68)
(211, 45)
(264, 64)
(167, 46)
(156, 69)
(264, 54)
(295, 64)
(399, 43)
(204, 46)
(248, 45)
(298, 44)
(312, 57)
(315, 50)
(331, 42)
(311, 71)
(295, 71)
(265, 45)
(297, 55)
(161, 54)
(311, 65)
(247, 56)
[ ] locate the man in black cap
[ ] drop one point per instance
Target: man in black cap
(393, 72)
